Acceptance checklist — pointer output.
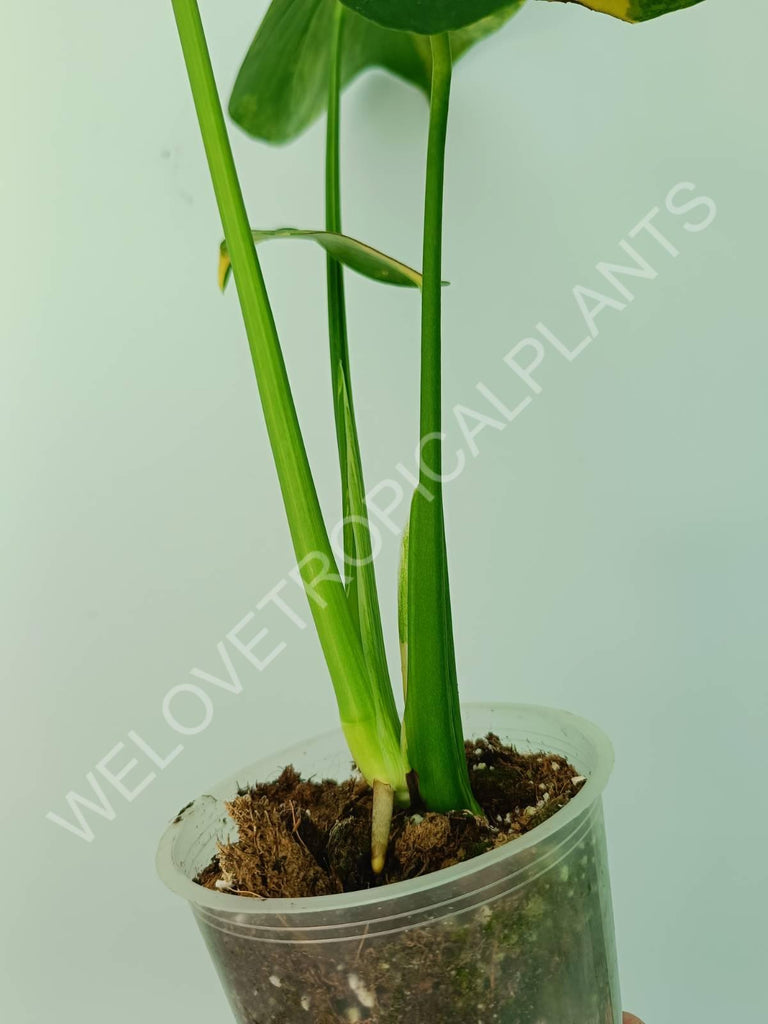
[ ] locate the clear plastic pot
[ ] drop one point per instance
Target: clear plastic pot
(521, 935)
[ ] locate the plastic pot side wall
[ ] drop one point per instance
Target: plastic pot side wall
(521, 935)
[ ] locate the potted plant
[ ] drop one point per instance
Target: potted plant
(517, 927)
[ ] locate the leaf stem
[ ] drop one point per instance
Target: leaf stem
(433, 728)
(337, 315)
(362, 593)
(373, 740)
(431, 307)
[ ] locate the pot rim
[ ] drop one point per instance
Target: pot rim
(180, 883)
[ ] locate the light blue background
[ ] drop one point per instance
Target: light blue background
(608, 549)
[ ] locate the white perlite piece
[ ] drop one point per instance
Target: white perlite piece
(306, 1002)
(364, 995)
(353, 1015)
(274, 980)
(578, 778)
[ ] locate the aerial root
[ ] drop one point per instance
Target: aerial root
(383, 801)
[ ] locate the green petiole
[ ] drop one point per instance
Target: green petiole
(362, 592)
(371, 733)
(433, 728)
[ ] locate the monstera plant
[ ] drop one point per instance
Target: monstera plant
(527, 936)
(304, 53)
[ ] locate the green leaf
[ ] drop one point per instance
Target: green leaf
(634, 10)
(425, 17)
(353, 254)
(434, 16)
(282, 85)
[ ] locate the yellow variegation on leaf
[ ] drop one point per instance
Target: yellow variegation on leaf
(634, 10)
(350, 252)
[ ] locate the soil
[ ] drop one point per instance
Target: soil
(533, 948)
(299, 837)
